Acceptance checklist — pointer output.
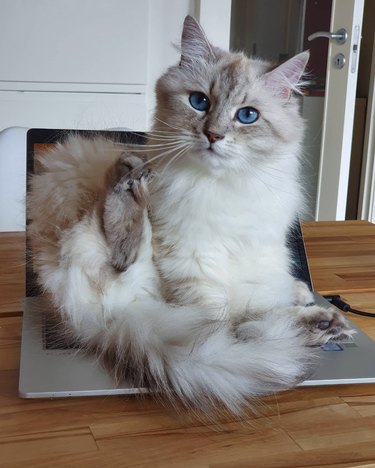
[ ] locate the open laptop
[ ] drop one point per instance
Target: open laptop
(49, 369)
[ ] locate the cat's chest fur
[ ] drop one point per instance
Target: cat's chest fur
(228, 231)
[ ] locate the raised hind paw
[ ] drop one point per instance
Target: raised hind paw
(323, 325)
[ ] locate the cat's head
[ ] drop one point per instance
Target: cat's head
(225, 110)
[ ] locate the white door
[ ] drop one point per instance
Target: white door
(339, 110)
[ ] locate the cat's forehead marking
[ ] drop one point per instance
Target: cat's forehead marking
(232, 70)
(235, 76)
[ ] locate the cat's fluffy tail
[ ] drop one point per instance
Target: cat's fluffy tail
(202, 363)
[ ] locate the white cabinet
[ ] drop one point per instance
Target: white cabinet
(87, 63)
(70, 42)
(72, 110)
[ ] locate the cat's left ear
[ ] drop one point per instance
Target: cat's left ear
(285, 79)
(194, 43)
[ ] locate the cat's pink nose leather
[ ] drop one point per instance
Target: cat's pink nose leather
(212, 137)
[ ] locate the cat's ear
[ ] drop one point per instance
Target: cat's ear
(194, 43)
(285, 78)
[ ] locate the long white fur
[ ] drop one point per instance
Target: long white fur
(230, 336)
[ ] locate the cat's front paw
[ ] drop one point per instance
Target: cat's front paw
(138, 179)
(137, 185)
(131, 174)
(323, 325)
(123, 208)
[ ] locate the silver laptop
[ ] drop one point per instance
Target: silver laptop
(50, 368)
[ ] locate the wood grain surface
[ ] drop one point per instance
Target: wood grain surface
(332, 426)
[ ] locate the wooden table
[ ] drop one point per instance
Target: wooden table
(307, 427)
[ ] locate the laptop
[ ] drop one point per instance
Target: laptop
(51, 368)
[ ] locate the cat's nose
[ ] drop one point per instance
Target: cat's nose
(212, 137)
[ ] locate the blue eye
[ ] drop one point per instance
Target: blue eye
(247, 115)
(199, 101)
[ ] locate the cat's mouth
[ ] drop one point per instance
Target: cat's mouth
(210, 153)
(212, 156)
(213, 151)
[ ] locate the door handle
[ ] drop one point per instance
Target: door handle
(339, 36)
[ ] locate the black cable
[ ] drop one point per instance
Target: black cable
(344, 306)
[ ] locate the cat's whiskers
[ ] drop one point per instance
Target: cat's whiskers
(154, 147)
(277, 173)
(176, 138)
(178, 129)
(153, 135)
(146, 149)
(167, 131)
(275, 190)
(169, 136)
(177, 156)
(281, 175)
(177, 147)
(164, 140)
(258, 171)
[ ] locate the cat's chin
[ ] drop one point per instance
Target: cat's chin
(214, 160)
(211, 158)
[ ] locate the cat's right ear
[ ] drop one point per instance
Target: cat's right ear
(194, 43)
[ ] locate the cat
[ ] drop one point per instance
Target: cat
(169, 261)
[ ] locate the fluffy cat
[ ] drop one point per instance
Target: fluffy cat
(175, 270)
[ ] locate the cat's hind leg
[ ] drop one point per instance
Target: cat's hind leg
(322, 324)
(123, 208)
(317, 324)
